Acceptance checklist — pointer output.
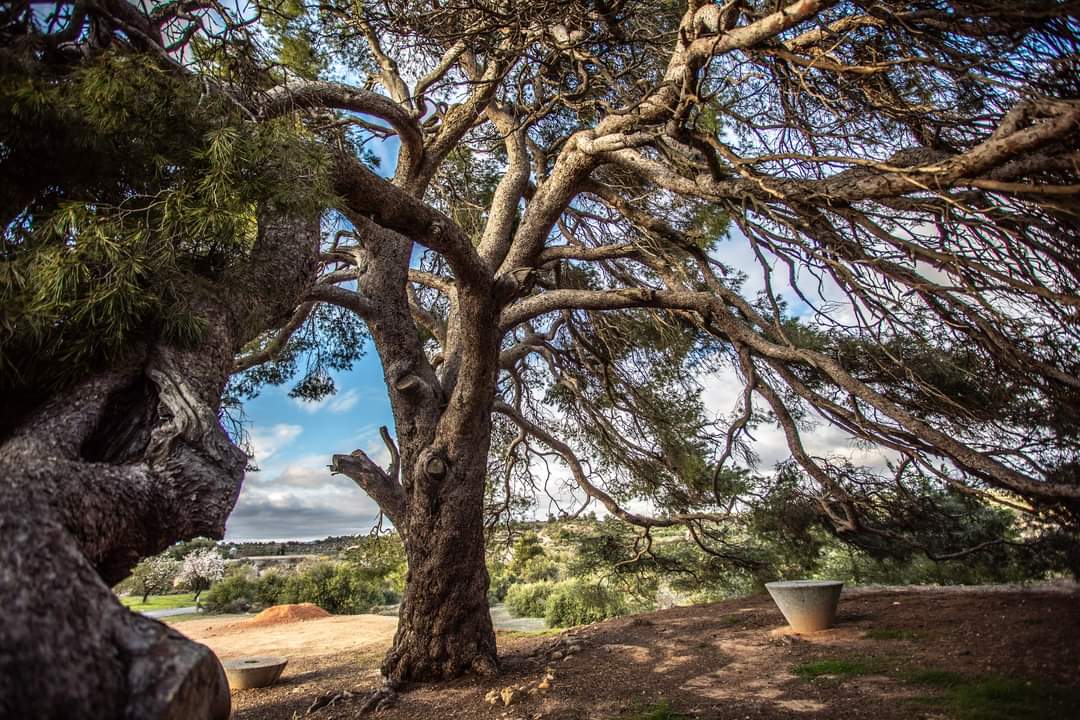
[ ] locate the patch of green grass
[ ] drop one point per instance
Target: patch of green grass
(992, 697)
(890, 634)
(657, 711)
(841, 668)
(158, 602)
(731, 619)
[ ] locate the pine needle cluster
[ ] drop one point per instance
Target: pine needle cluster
(123, 182)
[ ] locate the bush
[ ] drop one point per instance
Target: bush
(526, 547)
(269, 588)
(500, 581)
(380, 559)
(236, 607)
(340, 588)
(578, 602)
(236, 592)
(538, 568)
(529, 599)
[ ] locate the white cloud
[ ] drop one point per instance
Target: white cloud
(300, 514)
(344, 402)
(304, 475)
(300, 500)
(378, 452)
(266, 442)
(337, 403)
(306, 471)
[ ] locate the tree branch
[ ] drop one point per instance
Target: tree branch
(369, 197)
(386, 490)
(576, 469)
(309, 94)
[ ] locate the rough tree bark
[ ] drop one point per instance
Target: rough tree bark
(433, 491)
(444, 627)
(116, 468)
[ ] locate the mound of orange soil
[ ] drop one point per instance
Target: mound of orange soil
(282, 614)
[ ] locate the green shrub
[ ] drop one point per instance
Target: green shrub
(526, 548)
(380, 560)
(578, 602)
(538, 568)
(268, 588)
(501, 579)
(529, 599)
(340, 588)
(236, 592)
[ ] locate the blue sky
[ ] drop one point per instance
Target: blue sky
(293, 495)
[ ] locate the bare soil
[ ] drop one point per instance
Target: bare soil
(726, 660)
(299, 639)
(283, 614)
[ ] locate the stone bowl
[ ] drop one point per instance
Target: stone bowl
(253, 672)
(807, 605)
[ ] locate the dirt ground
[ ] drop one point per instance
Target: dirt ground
(231, 637)
(726, 660)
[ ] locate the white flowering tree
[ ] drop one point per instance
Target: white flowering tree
(199, 570)
(154, 575)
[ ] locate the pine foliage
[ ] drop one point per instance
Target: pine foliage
(132, 181)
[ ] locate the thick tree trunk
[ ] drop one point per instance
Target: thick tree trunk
(69, 649)
(116, 468)
(434, 490)
(444, 627)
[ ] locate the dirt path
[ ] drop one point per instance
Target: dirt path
(894, 655)
(230, 637)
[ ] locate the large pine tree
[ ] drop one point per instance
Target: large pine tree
(548, 273)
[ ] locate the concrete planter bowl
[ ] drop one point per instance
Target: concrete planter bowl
(807, 605)
(253, 672)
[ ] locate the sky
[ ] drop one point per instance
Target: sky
(293, 496)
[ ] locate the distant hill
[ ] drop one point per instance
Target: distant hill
(335, 544)
(327, 546)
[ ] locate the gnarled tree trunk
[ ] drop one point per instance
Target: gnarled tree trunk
(116, 468)
(434, 490)
(444, 627)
